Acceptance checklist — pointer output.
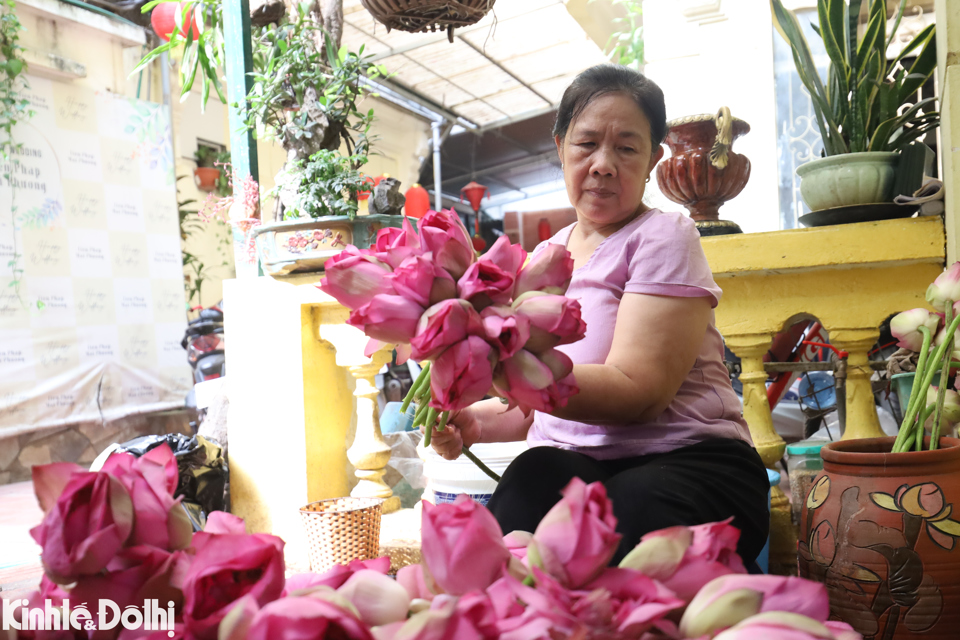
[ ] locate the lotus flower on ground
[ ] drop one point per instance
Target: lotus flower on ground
(475, 583)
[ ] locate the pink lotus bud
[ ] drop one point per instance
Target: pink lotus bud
(89, 517)
(378, 598)
(529, 382)
(686, 558)
(951, 405)
(423, 281)
(549, 271)
(554, 320)
(394, 245)
(945, 287)
(316, 617)
(905, 327)
(442, 234)
(225, 567)
(462, 375)
(389, 318)
(505, 329)
(576, 539)
(785, 626)
(462, 546)
(491, 279)
(354, 278)
(443, 325)
(525, 381)
(730, 599)
(411, 578)
(151, 480)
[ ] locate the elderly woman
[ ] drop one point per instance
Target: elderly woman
(656, 419)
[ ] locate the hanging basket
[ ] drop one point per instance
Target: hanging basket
(427, 15)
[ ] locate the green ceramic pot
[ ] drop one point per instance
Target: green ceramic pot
(902, 383)
(300, 246)
(848, 179)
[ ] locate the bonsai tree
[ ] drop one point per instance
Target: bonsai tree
(307, 96)
(863, 104)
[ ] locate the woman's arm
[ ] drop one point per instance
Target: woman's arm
(655, 344)
(485, 421)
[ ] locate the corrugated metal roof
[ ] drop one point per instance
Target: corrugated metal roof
(515, 62)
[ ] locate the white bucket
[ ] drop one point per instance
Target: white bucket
(446, 479)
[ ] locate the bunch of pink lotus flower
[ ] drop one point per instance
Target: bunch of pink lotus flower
(119, 534)
(933, 335)
(487, 324)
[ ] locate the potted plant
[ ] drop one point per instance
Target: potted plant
(306, 95)
(863, 108)
(209, 175)
(878, 525)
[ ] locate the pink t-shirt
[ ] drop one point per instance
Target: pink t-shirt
(658, 253)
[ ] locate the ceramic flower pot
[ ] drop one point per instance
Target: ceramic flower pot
(848, 179)
(299, 246)
(879, 530)
(206, 178)
(703, 172)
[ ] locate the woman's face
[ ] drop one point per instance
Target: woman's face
(607, 158)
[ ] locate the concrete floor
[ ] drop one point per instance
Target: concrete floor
(20, 568)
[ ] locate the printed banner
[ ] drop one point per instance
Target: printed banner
(92, 306)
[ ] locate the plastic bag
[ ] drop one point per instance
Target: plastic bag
(204, 476)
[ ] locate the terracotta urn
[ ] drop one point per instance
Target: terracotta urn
(880, 530)
(703, 172)
(206, 178)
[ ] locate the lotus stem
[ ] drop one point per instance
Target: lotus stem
(487, 470)
(424, 372)
(929, 373)
(944, 374)
(906, 428)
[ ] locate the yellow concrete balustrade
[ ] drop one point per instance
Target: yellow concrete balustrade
(849, 277)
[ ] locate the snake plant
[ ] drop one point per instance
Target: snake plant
(864, 104)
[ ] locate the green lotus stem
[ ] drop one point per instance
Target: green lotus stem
(931, 371)
(918, 437)
(443, 421)
(420, 415)
(487, 470)
(424, 372)
(431, 419)
(424, 386)
(944, 374)
(915, 395)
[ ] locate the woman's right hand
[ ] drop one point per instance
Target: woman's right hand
(462, 430)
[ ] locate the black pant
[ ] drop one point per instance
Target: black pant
(704, 482)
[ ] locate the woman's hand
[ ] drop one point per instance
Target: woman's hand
(462, 430)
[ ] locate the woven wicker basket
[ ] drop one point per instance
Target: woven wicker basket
(427, 15)
(341, 530)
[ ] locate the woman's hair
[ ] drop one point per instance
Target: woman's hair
(611, 78)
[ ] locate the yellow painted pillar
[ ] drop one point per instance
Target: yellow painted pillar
(369, 453)
(862, 420)
(750, 348)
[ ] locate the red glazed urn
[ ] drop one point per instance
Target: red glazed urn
(881, 531)
(703, 172)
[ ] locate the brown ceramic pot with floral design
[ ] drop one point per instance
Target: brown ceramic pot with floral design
(879, 530)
